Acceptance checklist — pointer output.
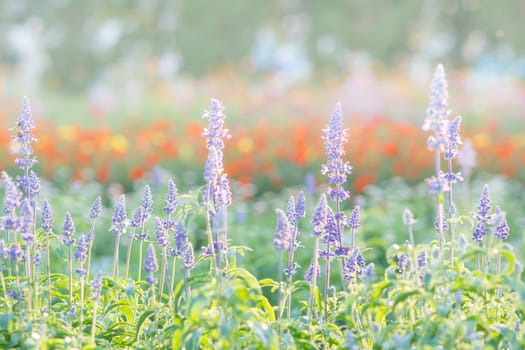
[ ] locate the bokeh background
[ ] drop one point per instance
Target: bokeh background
(118, 88)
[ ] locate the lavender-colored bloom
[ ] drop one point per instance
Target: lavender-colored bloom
(24, 137)
(82, 253)
(337, 170)
(452, 177)
(484, 205)
(354, 221)
(161, 234)
(360, 260)
(47, 217)
(13, 196)
(341, 251)
(319, 216)
(440, 225)
(502, 228)
(453, 138)
(215, 131)
(34, 183)
(403, 262)
(150, 264)
(408, 217)
(438, 110)
(466, 158)
(350, 268)
(188, 259)
(436, 185)
(290, 212)
(282, 231)
(422, 260)
(96, 287)
(224, 195)
(16, 253)
(369, 272)
(300, 210)
(137, 219)
(68, 230)
(146, 204)
(172, 198)
(120, 219)
(96, 208)
(26, 222)
(37, 259)
(181, 238)
(333, 234)
(308, 276)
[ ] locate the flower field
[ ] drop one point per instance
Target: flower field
(387, 262)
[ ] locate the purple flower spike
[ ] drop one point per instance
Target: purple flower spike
(172, 198)
(300, 211)
(354, 221)
(96, 208)
(403, 262)
(453, 138)
(188, 260)
(181, 238)
(120, 219)
(47, 217)
(150, 264)
(146, 204)
(484, 204)
(68, 230)
(12, 196)
(96, 288)
(26, 221)
(337, 170)
(24, 137)
(137, 219)
(282, 231)
(161, 234)
(438, 111)
(319, 216)
(82, 253)
(309, 274)
(502, 228)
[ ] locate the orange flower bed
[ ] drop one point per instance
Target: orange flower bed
(269, 153)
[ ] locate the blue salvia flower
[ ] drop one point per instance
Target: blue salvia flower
(37, 258)
(438, 111)
(437, 185)
(408, 217)
(137, 219)
(422, 260)
(369, 272)
(300, 210)
(331, 228)
(282, 231)
(172, 198)
(146, 204)
(13, 196)
(3, 254)
(96, 288)
(34, 185)
(309, 274)
(403, 262)
(96, 208)
(181, 238)
(150, 264)
(224, 195)
(215, 132)
(354, 221)
(68, 230)
(319, 216)
(484, 218)
(440, 219)
(350, 268)
(23, 138)
(502, 228)
(26, 222)
(334, 139)
(290, 212)
(47, 217)
(453, 138)
(81, 253)
(161, 234)
(119, 222)
(188, 259)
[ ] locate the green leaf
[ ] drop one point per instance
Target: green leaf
(145, 315)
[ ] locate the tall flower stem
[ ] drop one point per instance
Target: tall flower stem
(327, 281)
(70, 270)
(451, 215)
(128, 256)
(48, 271)
(140, 260)
(90, 248)
(116, 256)
(163, 272)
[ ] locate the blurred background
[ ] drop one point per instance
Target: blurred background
(118, 88)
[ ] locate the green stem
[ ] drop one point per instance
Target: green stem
(140, 260)
(115, 256)
(313, 286)
(128, 258)
(70, 266)
(326, 281)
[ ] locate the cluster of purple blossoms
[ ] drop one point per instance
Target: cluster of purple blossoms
(337, 170)
(353, 266)
(403, 262)
(68, 230)
(161, 234)
(12, 200)
(309, 274)
(96, 287)
(438, 111)
(150, 264)
(96, 209)
(119, 222)
(81, 253)
(502, 228)
(484, 217)
(22, 139)
(172, 198)
(282, 231)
